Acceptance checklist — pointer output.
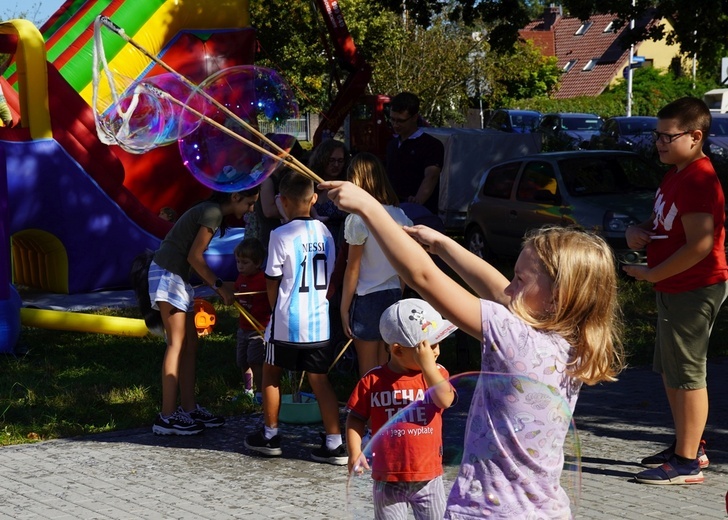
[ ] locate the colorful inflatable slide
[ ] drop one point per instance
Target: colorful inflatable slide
(73, 211)
(78, 210)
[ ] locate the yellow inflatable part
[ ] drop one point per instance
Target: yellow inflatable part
(75, 321)
(32, 77)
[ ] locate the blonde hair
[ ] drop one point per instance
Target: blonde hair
(367, 172)
(585, 310)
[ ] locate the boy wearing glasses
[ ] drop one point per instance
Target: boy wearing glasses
(414, 158)
(688, 269)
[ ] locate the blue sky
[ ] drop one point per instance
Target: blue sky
(37, 11)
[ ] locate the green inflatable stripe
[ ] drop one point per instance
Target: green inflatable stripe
(79, 70)
(73, 9)
(76, 31)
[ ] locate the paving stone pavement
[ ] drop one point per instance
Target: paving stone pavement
(135, 474)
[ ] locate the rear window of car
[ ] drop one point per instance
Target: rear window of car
(636, 125)
(588, 176)
(582, 123)
(500, 180)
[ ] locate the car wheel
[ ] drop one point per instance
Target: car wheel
(476, 243)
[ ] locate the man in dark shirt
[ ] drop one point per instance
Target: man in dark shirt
(414, 158)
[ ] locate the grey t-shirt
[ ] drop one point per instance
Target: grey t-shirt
(172, 253)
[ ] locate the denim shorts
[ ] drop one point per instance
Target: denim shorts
(366, 310)
(171, 288)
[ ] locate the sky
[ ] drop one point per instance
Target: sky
(37, 11)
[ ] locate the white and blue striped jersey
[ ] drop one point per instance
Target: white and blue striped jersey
(301, 254)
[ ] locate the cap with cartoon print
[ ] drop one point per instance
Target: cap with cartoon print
(411, 321)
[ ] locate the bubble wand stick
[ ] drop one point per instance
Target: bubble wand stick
(106, 22)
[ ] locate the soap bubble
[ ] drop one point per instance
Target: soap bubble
(148, 113)
(516, 427)
(259, 98)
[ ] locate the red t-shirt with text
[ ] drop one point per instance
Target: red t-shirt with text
(694, 189)
(409, 448)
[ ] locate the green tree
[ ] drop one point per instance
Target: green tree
(519, 74)
(434, 63)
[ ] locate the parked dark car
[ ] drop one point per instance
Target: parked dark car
(568, 130)
(605, 191)
(633, 134)
(716, 144)
(514, 121)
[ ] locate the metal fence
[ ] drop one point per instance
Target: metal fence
(299, 128)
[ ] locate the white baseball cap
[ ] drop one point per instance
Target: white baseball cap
(410, 321)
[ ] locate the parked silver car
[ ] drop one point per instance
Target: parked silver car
(605, 191)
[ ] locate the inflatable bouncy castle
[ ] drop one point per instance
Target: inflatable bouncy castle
(78, 211)
(74, 211)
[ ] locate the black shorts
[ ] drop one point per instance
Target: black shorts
(315, 360)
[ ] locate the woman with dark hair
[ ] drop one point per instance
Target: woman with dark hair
(329, 161)
(170, 292)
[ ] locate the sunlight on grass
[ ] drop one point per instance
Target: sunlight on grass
(133, 394)
(64, 384)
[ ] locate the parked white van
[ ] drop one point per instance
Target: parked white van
(717, 100)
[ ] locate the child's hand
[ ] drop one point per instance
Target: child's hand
(637, 238)
(425, 355)
(357, 464)
(426, 236)
(639, 272)
(347, 196)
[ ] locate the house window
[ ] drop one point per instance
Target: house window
(569, 65)
(609, 27)
(583, 28)
(590, 65)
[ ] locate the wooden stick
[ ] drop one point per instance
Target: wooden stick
(120, 32)
(231, 133)
(247, 293)
(253, 322)
(343, 349)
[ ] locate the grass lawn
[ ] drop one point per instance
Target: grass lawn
(62, 384)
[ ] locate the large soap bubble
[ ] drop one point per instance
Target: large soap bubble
(148, 113)
(528, 426)
(258, 97)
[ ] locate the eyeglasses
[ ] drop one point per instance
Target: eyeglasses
(334, 160)
(667, 138)
(400, 120)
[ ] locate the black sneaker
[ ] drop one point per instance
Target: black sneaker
(269, 447)
(179, 423)
(658, 459)
(201, 414)
(337, 457)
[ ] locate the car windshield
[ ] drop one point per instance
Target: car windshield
(608, 175)
(637, 125)
(524, 120)
(719, 126)
(581, 123)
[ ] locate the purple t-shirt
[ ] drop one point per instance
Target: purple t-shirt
(518, 421)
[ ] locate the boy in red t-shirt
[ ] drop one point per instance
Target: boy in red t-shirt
(685, 240)
(407, 465)
(249, 258)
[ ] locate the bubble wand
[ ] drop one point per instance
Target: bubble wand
(303, 169)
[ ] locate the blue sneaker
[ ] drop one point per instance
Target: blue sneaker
(672, 472)
(658, 459)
